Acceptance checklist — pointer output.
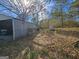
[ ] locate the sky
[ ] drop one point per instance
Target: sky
(49, 8)
(47, 14)
(4, 11)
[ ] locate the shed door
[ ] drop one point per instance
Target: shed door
(6, 27)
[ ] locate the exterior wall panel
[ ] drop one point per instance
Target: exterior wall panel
(19, 28)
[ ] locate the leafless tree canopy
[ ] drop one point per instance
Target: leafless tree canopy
(24, 8)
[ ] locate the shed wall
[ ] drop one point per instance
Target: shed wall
(20, 28)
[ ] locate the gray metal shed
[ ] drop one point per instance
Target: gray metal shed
(11, 28)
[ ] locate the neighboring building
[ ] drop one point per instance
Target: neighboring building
(11, 28)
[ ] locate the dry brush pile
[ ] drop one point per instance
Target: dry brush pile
(54, 46)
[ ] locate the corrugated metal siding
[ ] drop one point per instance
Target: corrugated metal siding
(20, 28)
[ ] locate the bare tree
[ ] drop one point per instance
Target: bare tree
(24, 8)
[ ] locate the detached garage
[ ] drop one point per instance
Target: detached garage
(11, 28)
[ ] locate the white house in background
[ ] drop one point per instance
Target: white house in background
(11, 28)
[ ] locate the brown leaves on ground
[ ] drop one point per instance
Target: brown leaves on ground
(58, 46)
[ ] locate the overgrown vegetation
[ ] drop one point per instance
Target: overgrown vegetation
(54, 46)
(57, 24)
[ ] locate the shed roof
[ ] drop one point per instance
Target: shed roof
(4, 17)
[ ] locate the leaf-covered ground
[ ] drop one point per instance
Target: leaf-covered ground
(56, 46)
(44, 45)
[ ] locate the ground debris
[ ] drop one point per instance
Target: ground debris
(58, 46)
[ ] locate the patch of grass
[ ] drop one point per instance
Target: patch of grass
(68, 29)
(44, 52)
(32, 55)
